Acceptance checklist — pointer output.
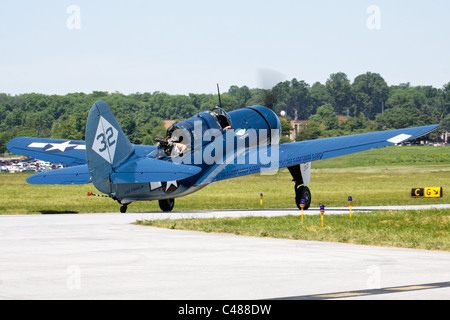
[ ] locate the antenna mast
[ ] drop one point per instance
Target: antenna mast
(218, 91)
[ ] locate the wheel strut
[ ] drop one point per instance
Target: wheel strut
(301, 191)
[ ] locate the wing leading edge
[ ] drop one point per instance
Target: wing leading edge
(290, 154)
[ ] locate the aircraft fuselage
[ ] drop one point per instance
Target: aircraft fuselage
(212, 144)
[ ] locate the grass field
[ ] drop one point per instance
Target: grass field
(377, 177)
(424, 229)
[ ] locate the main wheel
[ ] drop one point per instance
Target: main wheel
(123, 209)
(167, 205)
(302, 192)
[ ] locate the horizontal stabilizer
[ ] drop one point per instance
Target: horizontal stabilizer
(152, 170)
(66, 176)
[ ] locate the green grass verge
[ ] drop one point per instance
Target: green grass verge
(390, 156)
(423, 229)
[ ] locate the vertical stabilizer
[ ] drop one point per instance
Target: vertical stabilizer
(106, 145)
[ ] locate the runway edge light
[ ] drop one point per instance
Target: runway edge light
(322, 211)
(350, 201)
(302, 206)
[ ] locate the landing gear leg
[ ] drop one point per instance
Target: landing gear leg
(124, 208)
(301, 191)
(167, 205)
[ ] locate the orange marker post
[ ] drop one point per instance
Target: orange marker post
(302, 206)
(322, 211)
(350, 201)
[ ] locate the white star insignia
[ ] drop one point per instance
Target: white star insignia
(171, 183)
(61, 146)
(155, 185)
(57, 146)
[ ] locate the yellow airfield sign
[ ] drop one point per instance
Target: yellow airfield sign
(427, 192)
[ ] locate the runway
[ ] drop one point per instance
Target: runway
(105, 256)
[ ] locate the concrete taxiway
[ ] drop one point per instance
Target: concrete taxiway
(105, 256)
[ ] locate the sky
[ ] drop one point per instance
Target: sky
(181, 47)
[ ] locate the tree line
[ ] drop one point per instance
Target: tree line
(368, 101)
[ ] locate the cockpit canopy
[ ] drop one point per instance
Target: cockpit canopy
(190, 132)
(223, 117)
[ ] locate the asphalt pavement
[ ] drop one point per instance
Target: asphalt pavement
(105, 256)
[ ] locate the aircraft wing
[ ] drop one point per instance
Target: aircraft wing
(65, 152)
(290, 154)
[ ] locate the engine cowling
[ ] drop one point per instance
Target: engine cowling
(263, 121)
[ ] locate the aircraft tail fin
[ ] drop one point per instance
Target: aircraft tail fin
(106, 146)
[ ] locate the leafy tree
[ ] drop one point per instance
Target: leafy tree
(327, 117)
(446, 123)
(4, 138)
(370, 93)
(355, 125)
(397, 118)
(241, 95)
(314, 130)
(293, 96)
(444, 110)
(14, 118)
(286, 130)
(318, 96)
(71, 128)
(340, 92)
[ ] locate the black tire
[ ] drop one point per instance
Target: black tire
(167, 205)
(123, 209)
(302, 192)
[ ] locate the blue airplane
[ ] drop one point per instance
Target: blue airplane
(209, 147)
